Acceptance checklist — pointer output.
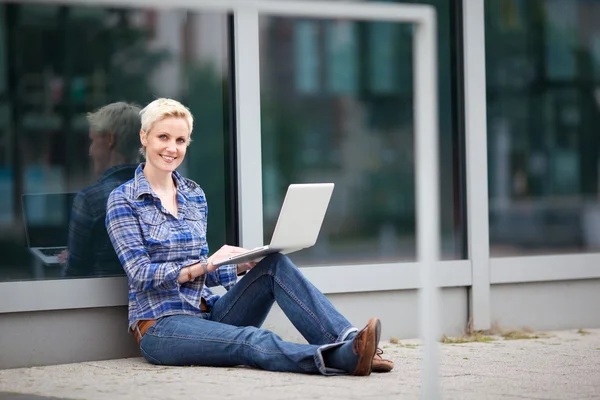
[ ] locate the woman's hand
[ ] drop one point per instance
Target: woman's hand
(225, 252)
(241, 268)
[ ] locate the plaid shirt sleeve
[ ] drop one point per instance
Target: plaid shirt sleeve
(225, 276)
(125, 234)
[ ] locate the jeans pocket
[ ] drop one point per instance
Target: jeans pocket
(150, 348)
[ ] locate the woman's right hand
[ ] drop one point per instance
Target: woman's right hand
(224, 252)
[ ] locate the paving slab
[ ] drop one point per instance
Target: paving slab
(559, 365)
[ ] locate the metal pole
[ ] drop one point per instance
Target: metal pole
(428, 204)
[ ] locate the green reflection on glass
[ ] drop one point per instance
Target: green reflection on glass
(543, 108)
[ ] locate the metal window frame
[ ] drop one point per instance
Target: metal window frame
(249, 167)
(528, 269)
(62, 294)
(476, 160)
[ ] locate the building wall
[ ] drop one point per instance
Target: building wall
(547, 305)
(92, 334)
(68, 336)
(64, 336)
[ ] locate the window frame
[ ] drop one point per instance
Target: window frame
(102, 292)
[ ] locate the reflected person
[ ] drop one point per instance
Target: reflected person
(157, 223)
(114, 151)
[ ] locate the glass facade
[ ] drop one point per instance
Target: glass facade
(337, 106)
(59, 63)
(543, 104)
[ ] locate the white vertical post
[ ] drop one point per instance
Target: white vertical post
(247, 81)
(428, 202)
(476, 162)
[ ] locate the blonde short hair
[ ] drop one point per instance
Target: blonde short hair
(163, 108)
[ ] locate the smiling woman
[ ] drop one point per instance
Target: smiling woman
(157, 225)
(165, 135)
(166, 117)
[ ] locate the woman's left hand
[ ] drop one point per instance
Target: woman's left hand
(245, 267)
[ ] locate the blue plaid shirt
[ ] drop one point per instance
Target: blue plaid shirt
(153, 246)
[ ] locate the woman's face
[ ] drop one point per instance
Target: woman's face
(166, 143)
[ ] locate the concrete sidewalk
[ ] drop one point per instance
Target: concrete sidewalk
(557, 365)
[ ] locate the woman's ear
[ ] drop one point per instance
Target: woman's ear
(143, 137)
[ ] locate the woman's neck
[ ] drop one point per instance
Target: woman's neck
(159, 181)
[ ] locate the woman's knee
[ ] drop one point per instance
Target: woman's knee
(279, 260)
(274, 263)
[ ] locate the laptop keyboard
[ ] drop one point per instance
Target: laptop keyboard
(51, 252)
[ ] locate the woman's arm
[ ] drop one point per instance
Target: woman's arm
(125, 233)
(225, 275)
(193, 271)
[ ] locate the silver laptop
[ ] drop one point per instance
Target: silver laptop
(46, 217)
(298, 225)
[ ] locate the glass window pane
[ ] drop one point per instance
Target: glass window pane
(543, 102)
(337, 106)
(56, 172)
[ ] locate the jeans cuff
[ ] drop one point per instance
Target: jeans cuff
(345, 334)
(323, 369)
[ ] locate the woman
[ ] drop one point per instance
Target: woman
(157, 225)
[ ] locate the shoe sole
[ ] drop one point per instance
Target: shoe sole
(367, 359)
(382, 366)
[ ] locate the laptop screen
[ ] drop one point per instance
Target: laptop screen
(46, 217)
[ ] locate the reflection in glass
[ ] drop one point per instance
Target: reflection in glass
(50, 80)
(337, 106)
(543, 103)
(114, 151)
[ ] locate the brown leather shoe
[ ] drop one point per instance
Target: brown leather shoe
(365, 346)
(381, 364)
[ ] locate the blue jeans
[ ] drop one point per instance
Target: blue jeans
(230, 333)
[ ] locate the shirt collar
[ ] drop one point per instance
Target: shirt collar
(142, 186)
